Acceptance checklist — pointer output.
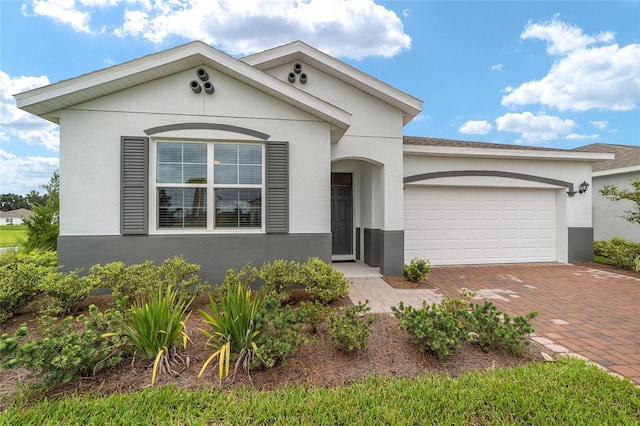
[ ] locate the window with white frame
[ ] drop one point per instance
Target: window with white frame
(208, 185)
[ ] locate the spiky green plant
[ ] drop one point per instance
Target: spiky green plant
(154, 326)
(233, 330)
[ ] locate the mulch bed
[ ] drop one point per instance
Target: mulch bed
(389, 352)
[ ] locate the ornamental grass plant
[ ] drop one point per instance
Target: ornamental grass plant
(233, 330)
(153, 326)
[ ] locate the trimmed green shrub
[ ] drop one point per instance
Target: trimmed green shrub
(442, 328)
(312, 313)
(618, 251)
(322, 281)
(434, 329)
(20, 277)
(497, 330)
(416, 269)
(182, 276)
(281, 329)
(128, 283)
(599, 247)
(458, 306)
(69, 347)
(279, 277)
(244, 277)
(460, 303)
(349, 327)
(64, 291)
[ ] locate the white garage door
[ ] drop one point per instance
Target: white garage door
(451, 225)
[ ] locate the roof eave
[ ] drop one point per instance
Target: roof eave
(48, 100)
(505, 153)
(618, 171)
(299, 51)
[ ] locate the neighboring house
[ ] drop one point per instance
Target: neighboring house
(14, 217)
(290, 153)
(608, 221)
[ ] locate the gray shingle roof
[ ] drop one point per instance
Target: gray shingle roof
(626, 155)
(416, 140)
(18, 213)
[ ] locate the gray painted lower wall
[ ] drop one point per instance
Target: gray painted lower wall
(392, 253)
(215, 253)
(371, 245)
(384, 249)
(580, 245)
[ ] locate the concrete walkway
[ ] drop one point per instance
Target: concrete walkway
(366, 284)
(584, 311)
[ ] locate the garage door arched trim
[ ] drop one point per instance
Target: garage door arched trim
(492, 173)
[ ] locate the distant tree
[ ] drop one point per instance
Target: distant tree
(34, 198)
(43, 226)
(10, 202)
(614, 194)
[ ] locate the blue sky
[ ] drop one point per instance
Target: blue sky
(539, 73)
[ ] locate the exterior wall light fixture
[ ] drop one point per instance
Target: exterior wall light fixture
(583, 187)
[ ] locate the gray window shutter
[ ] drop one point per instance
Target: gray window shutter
(277, 188)
(134, 185)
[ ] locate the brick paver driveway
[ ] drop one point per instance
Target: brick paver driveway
(581, 310)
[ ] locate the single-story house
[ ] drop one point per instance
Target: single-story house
(291, 153)
(608, 220)
(14, 217)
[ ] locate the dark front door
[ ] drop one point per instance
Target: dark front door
(341, 214)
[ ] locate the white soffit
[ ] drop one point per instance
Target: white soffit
(299, 51)
(446, 151)
(48, 100)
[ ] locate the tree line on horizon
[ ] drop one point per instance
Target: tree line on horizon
(10, 201)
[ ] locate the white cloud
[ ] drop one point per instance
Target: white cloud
(61, 11)
(535, 128)
(562, 37)
(100, 3)
(475, 127)
(604, 77)
(21, 175)
(406, 12)
(576, 136)
(497, 67)
(48, 138)
(19, 124)
(344, 28)
(600, 125)
(420, 118)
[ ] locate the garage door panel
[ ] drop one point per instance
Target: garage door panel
(481, 225)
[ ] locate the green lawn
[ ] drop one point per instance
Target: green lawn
(11, 235)
(566, 392)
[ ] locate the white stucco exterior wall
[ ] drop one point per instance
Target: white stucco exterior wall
(571, 211)
(607, 215)
(90, 146)
(375, 135)
(578, 207)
